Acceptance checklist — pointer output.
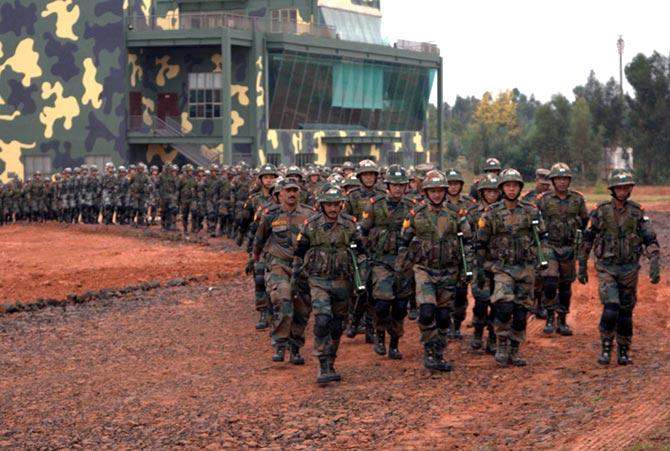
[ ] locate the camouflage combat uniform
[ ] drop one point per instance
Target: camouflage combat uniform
(168, 192)
(187, 196)
(109, 192)
(619, 237)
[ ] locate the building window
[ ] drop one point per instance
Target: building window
(98, 160)
(284, 20)
(303, 159)
(273, 158)
(34, 163)
(204, 95)
(394, 158)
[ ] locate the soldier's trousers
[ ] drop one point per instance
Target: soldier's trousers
(512, 297)
(290, 311)
(212, 220)
(329, 303)
(108, 214)
(557, 279)
(435, 295)
(617, 287)
(185, 210)
(260, 287)
(390, 293)
(460, 304)
(483, 311)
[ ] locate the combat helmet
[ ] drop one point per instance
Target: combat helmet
(294, 171)
(122, 169)
(330, 196)
(510, 175)
(454, 175)
(492, 164)
(396, 175)
(542, 175)
(422, 169)
(367, 166)
(560, 170)
(268, 169)
(489, 182)
(352, 180)
(620, 177)
(434, 179)
(348, 165)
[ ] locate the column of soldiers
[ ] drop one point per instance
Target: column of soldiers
(363, 247)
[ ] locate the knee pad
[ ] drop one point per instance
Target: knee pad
(565, 293)
(382, 308)
(609, 318)
(504, 311)
(399, 310)
(322, 325)
(550, 287)
(442, 318)
(426, 314)
(336, 326)
(480, 309)
(625, 323)
(519, 316)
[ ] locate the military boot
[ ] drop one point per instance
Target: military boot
(262, 320)
(412, 310)
(352, 330)
(394, 352)
(502, 351)
(323, 376)
(454, 331)
(476, 342)
(280, 350)
(606, 353)
(369, 332)
(623, 358)
(563, 328)
(295, 357)
(334, 375)
(549, 327)
(380, 343)
(491, 342)
(514, 357)
(433, 360)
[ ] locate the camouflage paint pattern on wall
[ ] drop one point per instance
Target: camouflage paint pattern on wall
(62, 89)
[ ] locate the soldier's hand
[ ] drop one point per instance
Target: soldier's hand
(249, 268)
(583, 275)
(654, 271)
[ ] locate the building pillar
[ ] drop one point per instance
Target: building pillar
(440, 147)
(257, 108)
(226, 80)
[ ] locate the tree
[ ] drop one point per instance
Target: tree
(585, 144)
(548, 135)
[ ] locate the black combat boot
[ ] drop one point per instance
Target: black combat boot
(563, 328)
(295, 357)
(352, 330)
(380, 343)
(262, 320)
(514, 357)
(606, 353)
(369, 332)
(280, 350)
(476, 342)
(413, 314)
(623, 358)
(334, 375)
(502, 351)
(549, 327)
(394, 352)
(491, 344)
(323, 375)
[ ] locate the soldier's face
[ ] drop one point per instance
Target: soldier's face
(331, 209)
(541, 186)
(288, 196)
(313, 178)
(455, 188)
(623, 192)
(511, 190)
(267, 180)
(368, 179)
(436, 195)
(396, 191)
(561, 184)
(347, 172)
(491, 195)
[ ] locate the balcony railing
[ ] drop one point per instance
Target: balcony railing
(423, 47)
(168, 127)
(214, 20)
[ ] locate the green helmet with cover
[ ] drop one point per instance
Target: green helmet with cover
(367, 166)
(434, 179)
(454, 175)
(510, 175)
(492, 164)
(396, 175)
(620, 177)
(331, 195)
(489, 182)
(560, 170)
(268, 169)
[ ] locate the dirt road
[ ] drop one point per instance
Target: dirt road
(183, 367)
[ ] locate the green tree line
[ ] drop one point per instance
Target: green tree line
(525, 133)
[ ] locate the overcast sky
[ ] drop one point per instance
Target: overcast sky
(541, 47)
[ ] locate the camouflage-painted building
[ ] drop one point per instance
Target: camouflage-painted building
(293, 81)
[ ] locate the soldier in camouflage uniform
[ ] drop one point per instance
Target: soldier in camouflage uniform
(256, 201)
(187, 195)
(37, 198)
(139, 194)
(225, 199)
(123, 196)
(492, 165)
(619, 233)
(52, 188)
(314, 182)
(507, 236)
(348, 169)
(213, 184)
(153, 194)
(565, 216)
(324, 253)
(456, 198)
(431, 240)
(109, 187)
(200, 210)
(67, 196)
(295, 173)
(542, 184)
(380, 227)
(482, 285)
(240, 191)
(274, 246)
(168, 191)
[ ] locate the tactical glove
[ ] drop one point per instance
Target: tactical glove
(583, 275)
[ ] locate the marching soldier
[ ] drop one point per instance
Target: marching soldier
(565, 216)
(619, 233)
(493, 166)
(109, 191)
(510, 237)
(435, 243)
(187, 195)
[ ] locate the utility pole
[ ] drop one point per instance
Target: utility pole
(619, 46)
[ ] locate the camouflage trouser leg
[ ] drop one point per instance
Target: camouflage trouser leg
(617, 287)
(290, 312)
(212, 220)
(483, 311)
(185, 210)
(557, 280)
(460, 304)
(435, 296)
(260, 289)
(329, 302)
(390, 305)
(512, 296)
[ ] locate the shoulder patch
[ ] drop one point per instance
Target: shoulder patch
(406, 223)
(577, 192)
(481, 223)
